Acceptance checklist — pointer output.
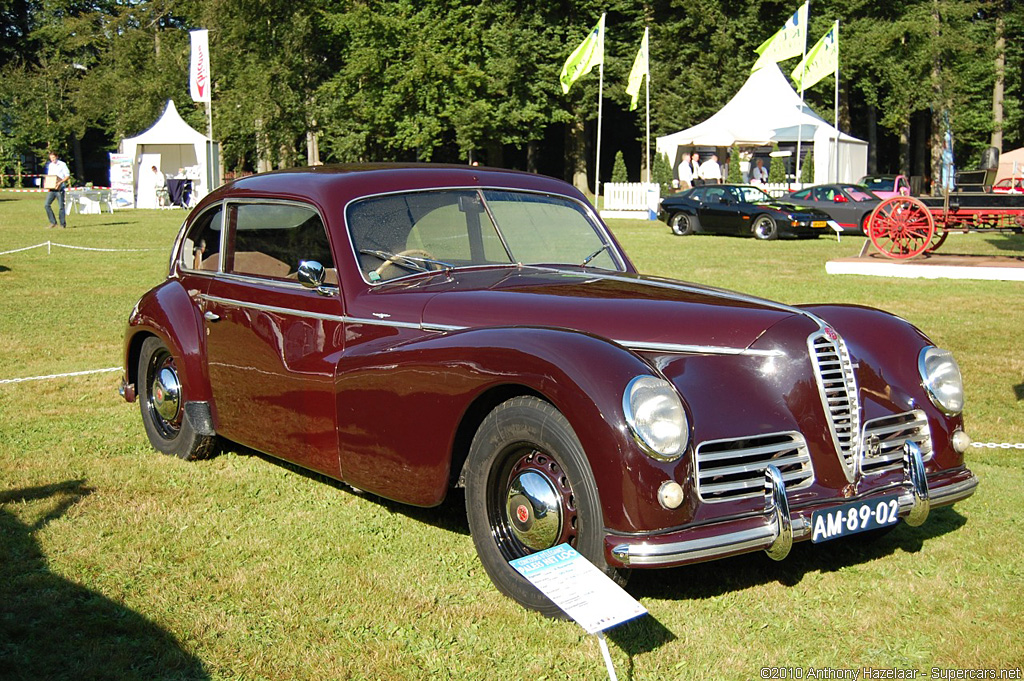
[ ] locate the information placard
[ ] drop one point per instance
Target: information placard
(578, 587)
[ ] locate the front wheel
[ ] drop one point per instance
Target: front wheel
(765, 228)
(529, 487)
(162, 396)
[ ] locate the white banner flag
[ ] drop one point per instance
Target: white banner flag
(199, 71)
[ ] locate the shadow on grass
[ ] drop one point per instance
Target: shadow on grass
(1018, 390)
(52, 628)
(705, 580)
(4, 269)
(1007, 242)
(450, 515)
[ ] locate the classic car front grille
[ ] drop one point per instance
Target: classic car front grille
(734, 469)
(884, 437)
(838, 389)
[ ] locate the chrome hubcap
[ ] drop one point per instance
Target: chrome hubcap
(534, 510)
(166, 394)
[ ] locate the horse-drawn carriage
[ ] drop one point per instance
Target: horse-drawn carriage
(905, 226)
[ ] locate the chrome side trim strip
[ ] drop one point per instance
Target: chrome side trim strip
(274, 309)
(696, 349)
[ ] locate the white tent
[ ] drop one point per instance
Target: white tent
(767, 109)
(1011, 164)
(171, 145)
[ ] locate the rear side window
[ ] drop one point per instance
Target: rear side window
(201, 247)
(272, 239)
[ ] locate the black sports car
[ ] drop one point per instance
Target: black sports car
(849, 204)
(743, 210)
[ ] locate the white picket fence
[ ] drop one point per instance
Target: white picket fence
(630, 200)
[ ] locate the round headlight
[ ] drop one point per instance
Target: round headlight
(656, 416)
(941, 376)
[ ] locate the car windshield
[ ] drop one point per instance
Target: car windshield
(398, 235)
(879, 183)
(753, 195)
(859, 193)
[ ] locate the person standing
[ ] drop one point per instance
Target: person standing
(685, 173)
(759, 175)
(710, 171)
(695, 170)
(58, 169)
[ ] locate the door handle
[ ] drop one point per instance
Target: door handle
(210, 316)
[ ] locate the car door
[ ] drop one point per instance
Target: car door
(272, 343)
(717, 210)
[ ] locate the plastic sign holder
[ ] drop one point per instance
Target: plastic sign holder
(582, 591)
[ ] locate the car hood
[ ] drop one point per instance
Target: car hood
(638, 311)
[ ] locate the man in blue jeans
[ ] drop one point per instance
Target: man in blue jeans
(59, 169)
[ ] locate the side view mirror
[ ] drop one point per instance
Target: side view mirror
(312, 275)
(725, 200)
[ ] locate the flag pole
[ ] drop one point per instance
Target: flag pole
(803, 73)
(647, 144)
(835, 116)
(600, 97)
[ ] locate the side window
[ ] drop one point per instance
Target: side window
(201, 248)
(272, 239)
(803, 194)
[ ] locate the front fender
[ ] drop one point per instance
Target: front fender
(168, 312)
(399, 412)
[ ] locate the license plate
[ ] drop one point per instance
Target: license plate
(857, 516)
(819, 224)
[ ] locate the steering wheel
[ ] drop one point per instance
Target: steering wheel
(395, 260)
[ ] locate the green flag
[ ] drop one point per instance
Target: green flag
(789, 41)
(636, 75)
(589, 54)
(822, 60)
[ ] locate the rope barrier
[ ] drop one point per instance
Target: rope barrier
(998, 445)
(73, 373)
(50, 244)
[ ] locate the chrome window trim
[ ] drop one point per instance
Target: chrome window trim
(225, 205)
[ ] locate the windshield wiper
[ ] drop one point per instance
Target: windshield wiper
(586, 260)
(410, 262)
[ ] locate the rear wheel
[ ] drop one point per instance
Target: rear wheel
(682, 224)
(529, 487)
(162, 395)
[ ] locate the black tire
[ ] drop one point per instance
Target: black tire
(162, 398)
(765, 229)
(527, 441)
(682, 224)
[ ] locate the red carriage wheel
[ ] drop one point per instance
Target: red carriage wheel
(901, 227)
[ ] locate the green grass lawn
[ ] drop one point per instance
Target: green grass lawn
(119, 563)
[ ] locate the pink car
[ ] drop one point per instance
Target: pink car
(887, 186)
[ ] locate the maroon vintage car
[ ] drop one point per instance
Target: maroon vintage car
(409, 329)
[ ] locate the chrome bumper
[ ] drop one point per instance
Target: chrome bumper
(776, 528)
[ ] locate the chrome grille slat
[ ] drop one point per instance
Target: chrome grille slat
(734, 469)
(891, 432)
(838, 388)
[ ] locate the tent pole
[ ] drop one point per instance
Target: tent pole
(647, 144)
(803, 74)
(835, 115)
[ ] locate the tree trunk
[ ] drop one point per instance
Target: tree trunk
(532, 152)
(576, 159)
(872, 139)
(905, 149)
(997, 89)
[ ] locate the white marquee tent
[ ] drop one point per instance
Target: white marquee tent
(767, 109)
(171, 144)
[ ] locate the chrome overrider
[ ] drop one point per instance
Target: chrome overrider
(780, 528)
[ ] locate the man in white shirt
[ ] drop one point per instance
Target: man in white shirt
(710, 171)
(685, 173)
(58, 169)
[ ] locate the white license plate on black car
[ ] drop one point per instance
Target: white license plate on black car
(857, 516)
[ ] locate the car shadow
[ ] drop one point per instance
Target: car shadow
(4, 269)
(716, 578)
(1007, 242)
(449, 515)
(52, 628)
